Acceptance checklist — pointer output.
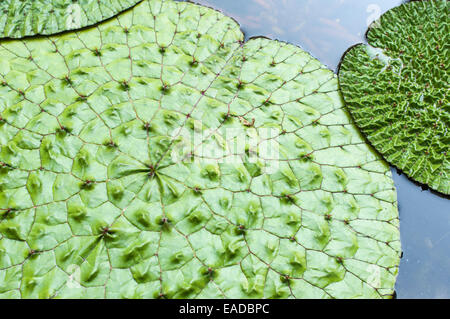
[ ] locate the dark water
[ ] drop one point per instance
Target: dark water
(326, 29)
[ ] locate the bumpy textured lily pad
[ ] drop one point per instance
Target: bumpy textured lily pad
(397, 90)
(156, 155)
(19, 18)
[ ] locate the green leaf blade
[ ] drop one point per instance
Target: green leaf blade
(222, 169)
(397, 90)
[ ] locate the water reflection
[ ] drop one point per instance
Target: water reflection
(326, 29)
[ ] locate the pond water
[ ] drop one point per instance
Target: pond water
(326, 29)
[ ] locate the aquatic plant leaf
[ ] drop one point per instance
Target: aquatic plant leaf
(157, 155)
(396, 88)
(19, 18)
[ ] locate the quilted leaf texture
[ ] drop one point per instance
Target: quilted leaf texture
(19, 18)
(396, 89)
(158, 156)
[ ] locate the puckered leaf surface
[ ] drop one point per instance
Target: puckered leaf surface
(397, 90)
(19, 18)
(157, 155)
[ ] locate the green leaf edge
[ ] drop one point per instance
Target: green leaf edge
(439, 184)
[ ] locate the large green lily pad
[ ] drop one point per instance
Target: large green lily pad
(19, 18)
(397, 90)
(157, 155)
